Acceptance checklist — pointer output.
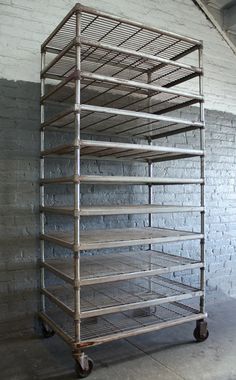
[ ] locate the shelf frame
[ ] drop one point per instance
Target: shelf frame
(98, 239)
(120, 210)
(174, 266)
(187, 124)
(77, 298)
(114, 180)
(120, 335)
(68, 41)
(194, 70)
(105, 149)
(97, 308)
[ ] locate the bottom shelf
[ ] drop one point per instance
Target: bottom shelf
(133, 320)
(111, 327)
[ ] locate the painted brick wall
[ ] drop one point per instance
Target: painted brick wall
(20, 38)
(26, 23)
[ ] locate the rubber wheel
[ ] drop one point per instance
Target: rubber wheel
(47, 332)
(82, 373)
(200, 337)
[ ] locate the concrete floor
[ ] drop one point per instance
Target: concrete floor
(169, 354)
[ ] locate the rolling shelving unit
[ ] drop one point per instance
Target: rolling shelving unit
(106, 77)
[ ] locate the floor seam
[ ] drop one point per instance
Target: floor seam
(154, 359)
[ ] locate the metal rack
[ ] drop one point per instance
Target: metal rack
(105, 78)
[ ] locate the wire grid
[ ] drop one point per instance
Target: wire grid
(128, 126)
(101, 122)
(130, 320)
(100, 92)
(104, 94)
(119, 263)
(141, 154)
(121, 65)
(121, 293)
(120, 237)
(113, 324)
(129, 154)
(118, 33)
(99, 60)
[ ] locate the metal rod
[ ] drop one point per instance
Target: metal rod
(58, 273)
(132, 128)
(125, 146)
(59, 26)
(133, 275)
(80, 8)
(121, 210)
(58, 117)
(60, 85)
(58, 57)
(142, 330)
(150, 188)
(57, 240)
(174, 132)
(202, 161)
(114, 180)
(139, 305)
(77, 189)
(100, 45)
(138, 85)
(42, 190)
(86, 9)
(131, 65)
(54, 326)
(58, 302)
(126, 276)
(118, 111)
(145, 115)
(65, 241)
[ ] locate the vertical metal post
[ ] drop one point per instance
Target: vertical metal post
(77, 192)
(150, 164)
(202, 170)
(150, 191)
(150, 187)
(42, 216)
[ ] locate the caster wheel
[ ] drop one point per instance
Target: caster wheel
(200, 337)
(47, 332)
(84, 372)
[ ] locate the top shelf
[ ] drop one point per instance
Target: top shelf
(108, 29)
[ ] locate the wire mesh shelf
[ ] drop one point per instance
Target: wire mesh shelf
(122, 295)
(119, 237)
(122, 151)
(123, 70)
(107, 28)
(120, 209)
(125, 94)
(114, 122)
(123, 63)
(110, 327)
(128, 321)
(118, 266)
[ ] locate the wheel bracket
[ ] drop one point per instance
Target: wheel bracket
(82, 359)
(202, 326)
